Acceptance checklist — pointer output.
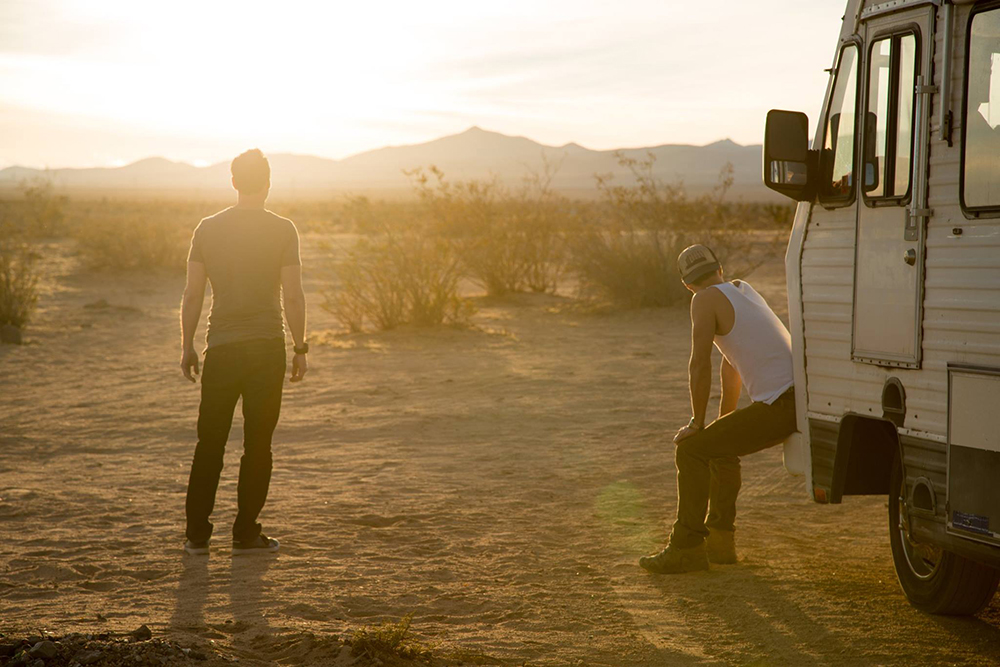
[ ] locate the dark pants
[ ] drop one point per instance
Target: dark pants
(254, 370)
(708, 466)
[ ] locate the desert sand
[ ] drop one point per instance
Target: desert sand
(498, 482)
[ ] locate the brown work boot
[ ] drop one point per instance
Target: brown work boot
(674, 560)
(721, 547)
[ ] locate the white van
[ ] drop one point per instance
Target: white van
(894, 286)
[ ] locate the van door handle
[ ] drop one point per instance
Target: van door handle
(910, 256)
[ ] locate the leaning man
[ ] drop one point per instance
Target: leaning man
(251, 257)
(756, 350)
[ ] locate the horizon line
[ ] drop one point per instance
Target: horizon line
(471, 128)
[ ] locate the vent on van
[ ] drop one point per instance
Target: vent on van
(923, 495)
(894, 402)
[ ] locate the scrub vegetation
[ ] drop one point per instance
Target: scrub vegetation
(391, 643)
(627, 255)
(619, 250)
(397, 277)
(18, 283)
(37, 214)
(418, 260)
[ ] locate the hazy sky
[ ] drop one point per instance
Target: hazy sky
(105, 82)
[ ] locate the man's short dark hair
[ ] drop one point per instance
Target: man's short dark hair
(705, 279)
(251, 171)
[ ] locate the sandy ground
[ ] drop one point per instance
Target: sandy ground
(498, 483)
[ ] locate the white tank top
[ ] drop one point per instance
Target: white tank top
(758, 346)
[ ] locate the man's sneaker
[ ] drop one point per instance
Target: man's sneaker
(721, 547)
(261, 544)
(196, 548)
(674, 560)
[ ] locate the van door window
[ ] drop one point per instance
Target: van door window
(892, 66)
(837, 158)
(907, 74)
(981, 134)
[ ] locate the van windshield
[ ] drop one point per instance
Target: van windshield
(982, 113)
(838, 143)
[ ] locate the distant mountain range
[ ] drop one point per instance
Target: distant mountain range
(475, 153)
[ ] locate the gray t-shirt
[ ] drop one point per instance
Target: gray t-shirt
(243, 251)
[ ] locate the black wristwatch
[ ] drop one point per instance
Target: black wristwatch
(301, 350)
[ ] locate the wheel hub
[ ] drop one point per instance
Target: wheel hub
(924, 559)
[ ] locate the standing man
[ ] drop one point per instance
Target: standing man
(757, 352)
(251, 256)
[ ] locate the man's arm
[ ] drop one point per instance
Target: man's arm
(732, 384)
(294, 298)
(191, 304)
(700, 365)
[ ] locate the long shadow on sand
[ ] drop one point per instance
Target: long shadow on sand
(192, 595)
(210, 606)
(249, 601)
(753, 614)
(979, 637)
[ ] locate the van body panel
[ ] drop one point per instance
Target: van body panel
(953, 311)
(960, 321)
(889, 246)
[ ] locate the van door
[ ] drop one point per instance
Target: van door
(888, 281)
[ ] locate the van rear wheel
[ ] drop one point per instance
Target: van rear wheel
(934, 580)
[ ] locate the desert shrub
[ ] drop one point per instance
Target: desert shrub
(508, 240)
(389, 643)
(630, 258)
(545, 218)
(359, 213)
(133, 244)
(135, 235)
(37, 212)
(629, 268)
(44, 211)
(397, 277)
(18, 283)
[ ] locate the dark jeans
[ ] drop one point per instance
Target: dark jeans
(708, 466)
(254, 370)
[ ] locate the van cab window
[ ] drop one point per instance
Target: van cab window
(888, 131)
(837, 157)
(981, 150)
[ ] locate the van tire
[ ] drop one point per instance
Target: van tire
(956, 586)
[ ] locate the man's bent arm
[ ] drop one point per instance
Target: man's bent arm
(295, 302)
(732, 384)
(191, 304)
(700, 366)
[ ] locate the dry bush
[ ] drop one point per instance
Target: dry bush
(508, 241)
(37, 213)
(136, 235)
(18, 282)
(397, 278)
(389, 644)
(631, 260)
(545, 218)
(313, 214)
(629, 268)
(360, 214)
(128, 245)
(44, 211)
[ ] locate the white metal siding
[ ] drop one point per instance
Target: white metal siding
(961, 320)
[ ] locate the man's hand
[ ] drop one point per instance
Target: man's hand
(299, 367)
(686, 433)
(189, 361)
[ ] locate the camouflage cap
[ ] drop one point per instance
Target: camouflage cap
(695, 262)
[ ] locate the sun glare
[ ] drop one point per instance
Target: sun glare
(338, 78)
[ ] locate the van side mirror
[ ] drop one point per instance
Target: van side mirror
(789, 165)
